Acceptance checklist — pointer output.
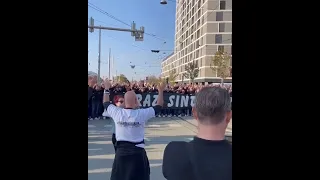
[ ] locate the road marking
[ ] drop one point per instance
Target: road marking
(108, 125)
(98, 136)
(99, 142)
(101, 170)
(153, 125)
(95, 149)
(175, 125)
(108, 156)
(91, 126)
(146, 139)
(155, 165)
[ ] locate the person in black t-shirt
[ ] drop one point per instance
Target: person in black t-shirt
(208, 156)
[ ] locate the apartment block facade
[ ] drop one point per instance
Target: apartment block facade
(202, 28)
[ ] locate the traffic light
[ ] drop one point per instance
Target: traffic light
(91, 29)
(155, 51)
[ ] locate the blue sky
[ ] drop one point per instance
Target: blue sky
(156, 18)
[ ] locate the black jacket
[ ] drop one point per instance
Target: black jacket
(97, 95)
(90, 93)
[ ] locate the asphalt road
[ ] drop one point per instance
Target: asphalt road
(159, 132)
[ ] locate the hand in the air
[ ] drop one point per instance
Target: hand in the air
(107, 83)
(161, 86)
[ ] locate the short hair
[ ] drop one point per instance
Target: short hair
(212, 104)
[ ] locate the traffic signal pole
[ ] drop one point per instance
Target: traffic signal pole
(138, 34)
(117, 29)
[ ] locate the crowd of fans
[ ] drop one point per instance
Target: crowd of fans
(95, 106)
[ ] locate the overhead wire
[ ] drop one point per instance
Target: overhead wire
(113, 17)
(152, 35)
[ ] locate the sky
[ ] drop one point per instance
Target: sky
(157, 20)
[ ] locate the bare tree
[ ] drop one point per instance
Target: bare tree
(172, 76)
(221, 65)
(192, 71)
(153, 80)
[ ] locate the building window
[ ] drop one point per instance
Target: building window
(219, 16)
(222, 27)
(221, 48)
(222, 5)
(218, 38)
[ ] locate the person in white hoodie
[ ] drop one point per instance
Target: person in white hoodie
(118, 100)
(131, 160)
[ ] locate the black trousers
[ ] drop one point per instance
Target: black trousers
(130, 163)
(114, 142)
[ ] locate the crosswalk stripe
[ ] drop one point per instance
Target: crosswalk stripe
(174, 125)
(91, 126)
(153, 125)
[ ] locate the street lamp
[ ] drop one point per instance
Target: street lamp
(163, 2)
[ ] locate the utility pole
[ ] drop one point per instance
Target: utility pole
(99, 58)
(109, 61)
(112, 67)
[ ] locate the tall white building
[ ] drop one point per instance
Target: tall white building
(202, 28)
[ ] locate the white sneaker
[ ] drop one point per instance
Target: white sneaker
(91, 119)
(96, 118)
(169, 115)
(179, 115)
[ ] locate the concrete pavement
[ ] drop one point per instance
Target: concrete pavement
(159, 132)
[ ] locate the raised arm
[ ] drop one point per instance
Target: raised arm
(106, 94)
(111, 109)
(160, 95)
(152, 111)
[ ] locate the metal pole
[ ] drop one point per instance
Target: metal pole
(109, 61)
(116, 29)
(112, 67)
(99, 58)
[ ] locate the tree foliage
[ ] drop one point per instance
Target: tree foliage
(221, 64)
(192, 71)
(172, 76)
(153, 80)
(121, 78)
